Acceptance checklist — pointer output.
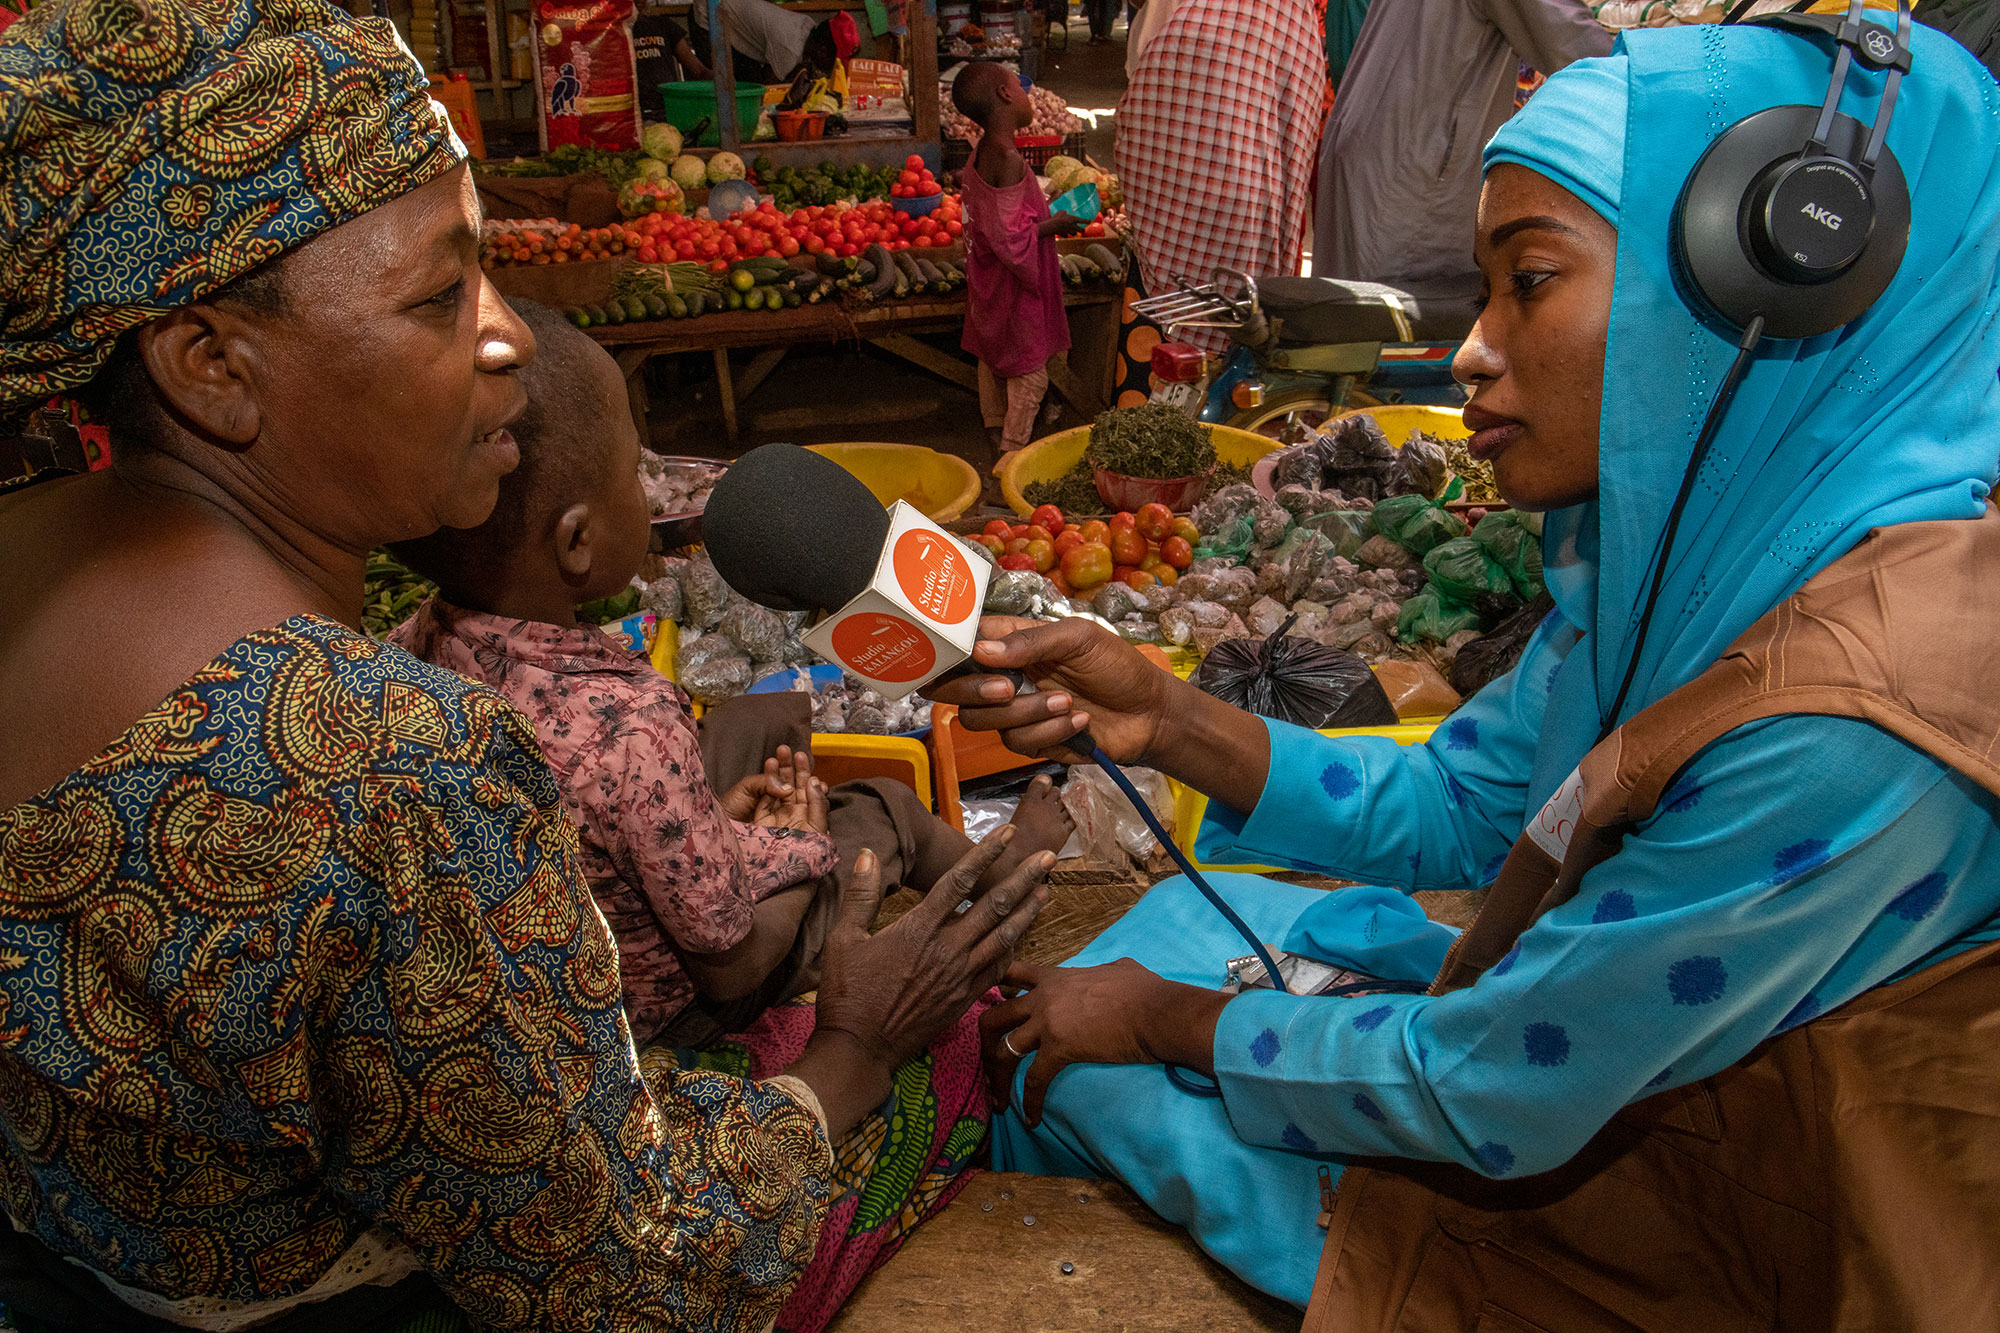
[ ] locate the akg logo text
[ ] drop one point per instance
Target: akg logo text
(1831, 221)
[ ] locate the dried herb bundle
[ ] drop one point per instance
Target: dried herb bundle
(1151, 440)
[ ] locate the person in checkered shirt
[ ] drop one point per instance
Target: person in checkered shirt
(1216, 136)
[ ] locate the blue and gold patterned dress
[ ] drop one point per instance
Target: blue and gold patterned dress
(300, 987)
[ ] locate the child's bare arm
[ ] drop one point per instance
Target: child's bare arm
(1059, 224)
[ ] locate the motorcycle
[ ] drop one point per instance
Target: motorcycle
(1307, 349)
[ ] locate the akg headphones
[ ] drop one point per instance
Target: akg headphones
(1801, 214)
(1791, 225)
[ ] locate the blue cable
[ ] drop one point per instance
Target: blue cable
(1117, 775)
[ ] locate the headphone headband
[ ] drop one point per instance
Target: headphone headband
(1800, 215)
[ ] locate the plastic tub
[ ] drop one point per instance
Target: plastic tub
(942, 486)
(1398, 421)
(922, 206)
(1128, 493)
(1053, 456)
(686, 103)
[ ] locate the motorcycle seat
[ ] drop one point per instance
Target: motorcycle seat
(1340, 310)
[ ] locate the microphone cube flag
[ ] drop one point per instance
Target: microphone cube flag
(919, 615)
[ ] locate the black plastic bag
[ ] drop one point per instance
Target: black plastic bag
(1493, 655)
(1295, 680)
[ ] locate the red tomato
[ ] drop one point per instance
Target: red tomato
(955, 227)
(1044, 552)
(1168, 575)
(1127, 546)
(993, 544)
(648, 255)
(1016, 545)
(1036, 532)
(1175, 551)
(1016, 561)
(1140, 578)
(1095, 530)
(930, 189)
(1061, 583)
(1087, 566)
(1094, 229)
(1068, 541)
(908, 178)
(914, 162)
(1018, 530)
(1185, 529)
(1123, 519)
(788, 247)
(1154, 521)
(1120, 573)
(1050, 517)
(999, 527)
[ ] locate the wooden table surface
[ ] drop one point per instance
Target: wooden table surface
(1083, 377)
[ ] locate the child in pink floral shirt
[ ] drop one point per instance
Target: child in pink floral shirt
(719, 902)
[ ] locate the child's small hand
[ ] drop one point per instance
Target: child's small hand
(784, 795)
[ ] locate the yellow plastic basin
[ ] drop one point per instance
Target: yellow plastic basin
(1400, 420)
(941, 485)
(1053, 456)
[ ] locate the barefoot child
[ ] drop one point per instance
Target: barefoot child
(720, 903)
(1014, 320)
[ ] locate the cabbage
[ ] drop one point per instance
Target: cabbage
(1060, 170)
(653, 169)
(725, 167)
(661, 142)
(689, 172)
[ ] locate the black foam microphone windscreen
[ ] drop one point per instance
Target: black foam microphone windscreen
(793, 530)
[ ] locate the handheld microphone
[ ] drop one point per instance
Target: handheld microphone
(794, 531)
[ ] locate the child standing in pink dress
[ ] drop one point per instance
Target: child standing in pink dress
(1014, 320)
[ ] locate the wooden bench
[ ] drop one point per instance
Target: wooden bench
(1039, 1254)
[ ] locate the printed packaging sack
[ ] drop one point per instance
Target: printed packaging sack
(587, 74)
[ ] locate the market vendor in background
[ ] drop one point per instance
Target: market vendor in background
(773, 44)
(1427, 84)
(1736, 977)
(664, 54)
(322, 1028)
(1216, 133)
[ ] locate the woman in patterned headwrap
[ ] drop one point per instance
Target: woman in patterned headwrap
(305, 1012)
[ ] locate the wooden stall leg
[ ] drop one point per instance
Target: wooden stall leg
(759, 370)
(926, 357)
(725, 386)
(1093, 353)
(632, 365)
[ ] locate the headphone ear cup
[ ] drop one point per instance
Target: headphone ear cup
(1716, 264)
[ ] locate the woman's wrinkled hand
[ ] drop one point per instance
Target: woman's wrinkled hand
(893, 992)
(1086, 677)
(1114, 1014)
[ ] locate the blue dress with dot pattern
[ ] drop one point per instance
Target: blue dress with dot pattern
(1798, 862)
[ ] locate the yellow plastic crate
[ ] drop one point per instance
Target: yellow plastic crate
(839, 757)
(1190, 806)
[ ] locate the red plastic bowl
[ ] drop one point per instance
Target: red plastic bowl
(1128, 493)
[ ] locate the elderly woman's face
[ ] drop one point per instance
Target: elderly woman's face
(1535, 360)
(384, 388)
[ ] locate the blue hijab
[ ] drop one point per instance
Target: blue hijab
(1893, 419)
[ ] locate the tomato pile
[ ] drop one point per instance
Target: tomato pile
(1138, 549)
(546, 241)
(915, 181)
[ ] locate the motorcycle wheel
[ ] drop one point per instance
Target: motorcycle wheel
(1306, 409)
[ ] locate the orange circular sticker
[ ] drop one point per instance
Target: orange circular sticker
(883, 647)
(935, 575)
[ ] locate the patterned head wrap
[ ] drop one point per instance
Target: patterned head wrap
(153, 150)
